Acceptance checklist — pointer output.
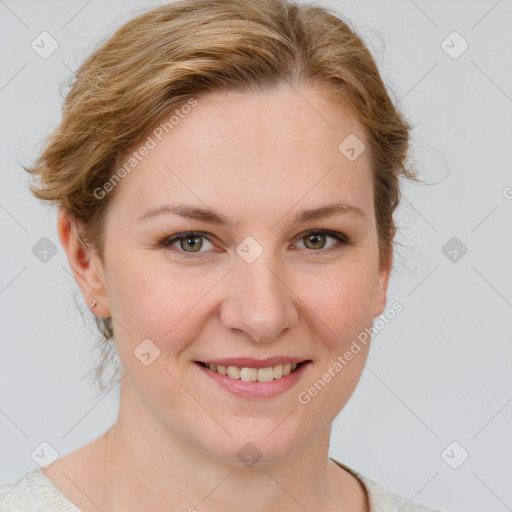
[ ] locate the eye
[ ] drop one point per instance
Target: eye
(315, 239)
(190, 243)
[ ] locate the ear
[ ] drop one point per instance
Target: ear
(383, 280)
(85, 264)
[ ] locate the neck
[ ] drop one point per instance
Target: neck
(148, 467)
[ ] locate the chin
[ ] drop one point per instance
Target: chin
(252, 444)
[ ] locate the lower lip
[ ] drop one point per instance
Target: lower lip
(256, 389)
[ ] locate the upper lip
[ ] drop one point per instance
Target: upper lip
(249, 362)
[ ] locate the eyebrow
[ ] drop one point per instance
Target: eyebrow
(212, 217)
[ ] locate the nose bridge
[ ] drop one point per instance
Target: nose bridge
(258, 302)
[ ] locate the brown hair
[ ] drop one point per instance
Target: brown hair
(159, 60)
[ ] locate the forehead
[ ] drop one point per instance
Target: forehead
(279, 147)
(229, 122)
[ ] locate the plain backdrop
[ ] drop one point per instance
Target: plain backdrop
(438, 383)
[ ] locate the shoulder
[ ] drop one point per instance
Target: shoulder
(33, 491)
(381, 500)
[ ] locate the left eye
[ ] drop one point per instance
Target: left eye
(317, 239)
(191, 243)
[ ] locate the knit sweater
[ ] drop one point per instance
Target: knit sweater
(36, 492)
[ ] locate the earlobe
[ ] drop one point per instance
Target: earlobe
(84, 264)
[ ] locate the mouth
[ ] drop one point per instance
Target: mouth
(255, 373)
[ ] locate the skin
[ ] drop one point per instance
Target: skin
(257, 159)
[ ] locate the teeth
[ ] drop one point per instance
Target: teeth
(234, 372)
(265, 374)
(254, 374)
(248, 374)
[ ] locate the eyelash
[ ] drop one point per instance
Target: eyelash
(166, 242)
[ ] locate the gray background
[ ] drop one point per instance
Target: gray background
(438, 373)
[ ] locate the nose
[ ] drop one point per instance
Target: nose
(259, 302)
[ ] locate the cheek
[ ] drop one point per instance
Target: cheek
(343, 317)
(341, 301)
(159, 302)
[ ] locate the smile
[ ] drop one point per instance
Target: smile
(254, 374)
(249, 382)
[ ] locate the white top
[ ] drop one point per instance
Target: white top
(36, 492)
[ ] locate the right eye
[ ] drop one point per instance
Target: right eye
(189, 240)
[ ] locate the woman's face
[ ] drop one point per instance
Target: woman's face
(255, 286)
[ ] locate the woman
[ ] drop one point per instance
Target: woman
(226, 174)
